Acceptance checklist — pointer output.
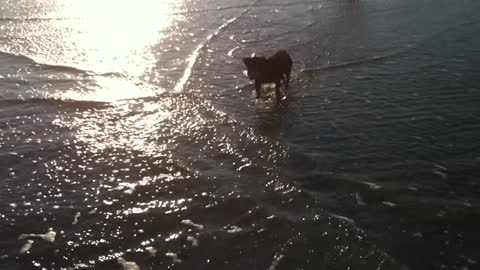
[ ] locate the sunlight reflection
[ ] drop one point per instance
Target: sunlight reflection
(171, 205)
(113, 35)
(124, 126)
(109, 37)
(108, 89)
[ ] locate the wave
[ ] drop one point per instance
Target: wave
(254, 4)
(373, 59)
(192, 60)
(433, 36)
(77, 104)
(17, 57)
(26, 60)
(35, 19)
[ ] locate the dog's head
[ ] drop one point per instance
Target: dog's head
(254, 66)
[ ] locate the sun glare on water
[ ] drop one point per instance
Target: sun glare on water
(110, 37)
(113, 40)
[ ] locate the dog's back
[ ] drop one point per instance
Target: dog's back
(269, 69)
(280, 62)
(273, 69)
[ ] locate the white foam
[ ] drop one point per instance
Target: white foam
(372, 185)
(174, 257)
(343, 218)
(126, 265)
(440, 167)
(189, 222)
(441, 213)
(49, 236)
(25, 248)
(234, 229)
(275, 262)
(117, 188)
(193, 240)
(390, 204)
(151, 251)
(129, 191)
(441, 174)
(107, 202)
(359, 200)
(128, 188)
(230, 53)
(471, 261)
(75, 218)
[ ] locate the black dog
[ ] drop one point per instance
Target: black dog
(272, 69)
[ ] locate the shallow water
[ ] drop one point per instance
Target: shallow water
(131, 138)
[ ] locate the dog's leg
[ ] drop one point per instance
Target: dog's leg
(287, 75)
(277, 91)
(258, 87)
